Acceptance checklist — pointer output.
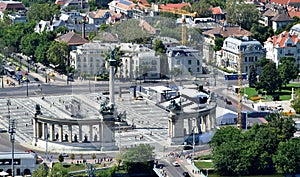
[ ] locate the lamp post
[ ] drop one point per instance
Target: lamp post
(194, 120)
(11, 131)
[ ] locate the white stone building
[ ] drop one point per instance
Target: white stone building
(233, 48)
(139, 60)
(295, 30)
(283, 45)
(136, 60)
(89, 58)
(187, 60)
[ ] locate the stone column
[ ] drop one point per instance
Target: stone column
(51, 131)
(203, 122)
(107, 132)
(80, 133)
(44, 131)
(91, 133)
(70, 136)
(112, 63)
(208, 122)
(100, 132)
(39, 130)
(176, 128)
(60, 133)
(35, 133)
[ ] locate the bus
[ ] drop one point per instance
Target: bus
(235, 76)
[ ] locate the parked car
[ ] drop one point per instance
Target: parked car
(175, 164)
(64, 154)
(186, 174)
(36, 79)
(29, 151)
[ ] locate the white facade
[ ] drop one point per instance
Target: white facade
(187, 60)
(295, 30)
(89, 58)
(25, 163)
(250, 50)
(283, 45)
(139, 60)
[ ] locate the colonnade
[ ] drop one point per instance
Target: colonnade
(52, 129)
(197, 121)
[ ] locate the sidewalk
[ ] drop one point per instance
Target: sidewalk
(191, 169)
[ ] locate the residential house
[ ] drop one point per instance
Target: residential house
(187, 60)
(281, 20)
(17, 18)
(99, 17)
(89, 58)
(80, 4)
(217, 14)
(11, 6)
(267, 16)
(48, 25)
(219, 32)
(72, 39)
(167, 41)
(295, 30)
(244, 48)
(283, 45)
(122, 6)
(174, 8)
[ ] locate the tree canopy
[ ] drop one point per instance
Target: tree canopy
(269, 79)
(255, 151)
(287, 69)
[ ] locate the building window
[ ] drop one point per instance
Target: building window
(198, 69)
(245, 59)
(91, 59)
(255, 58)
(190, 69)
(189, 62)
(84, 59)
(198, 62)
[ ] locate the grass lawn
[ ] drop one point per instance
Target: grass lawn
(285, 93)
(276, 175)
(203, 165)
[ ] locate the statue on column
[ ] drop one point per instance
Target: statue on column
(66, 137)
(106, 108)
(38, 109)
(174, 106)
(75, 138)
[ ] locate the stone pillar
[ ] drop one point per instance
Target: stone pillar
(107, 132)
(44, 131)
(60, 133)
(80, 133)
(190, 126)
(35, 133)
(91, 133)
(203, 122)
(100, 132)
(112, 63)
(70, 136)
(176, 128)
(51, 132)
(208, 122)
(39, 130)
(213, 119)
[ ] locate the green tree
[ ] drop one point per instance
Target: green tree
(61, 158)
(94, 156)
(159, 47)
(218, 44)
(35, 13)
(58, 170)
(29, 43)
(202, 8)
(252, 76)
(261, 33)
(41, 171)
(58, 54)
(139, 159)
(241, 13)
(287, 69)
(269, 79)
(72, 157)
(296, 101)
(287, 158)
(285, 126)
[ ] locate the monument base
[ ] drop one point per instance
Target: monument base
(175, 140)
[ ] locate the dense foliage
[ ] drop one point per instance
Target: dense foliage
(139, 159)
(254, 151)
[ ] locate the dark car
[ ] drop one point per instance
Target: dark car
(186, 174)
(36, 79)
(228, 101)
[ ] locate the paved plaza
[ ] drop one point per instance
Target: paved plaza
(150, 121)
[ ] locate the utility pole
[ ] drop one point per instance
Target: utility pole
(240, 83)
(11, 131)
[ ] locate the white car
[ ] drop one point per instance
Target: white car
(175, 164)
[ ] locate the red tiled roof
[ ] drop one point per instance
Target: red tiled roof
(11, 5)
(228, 31)
(147, 27)
(281, 39)
(173, 7)
(61, 2)
(143, 2)
(283, 2)
(72, 38)
(293, 12)
(216, 10)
